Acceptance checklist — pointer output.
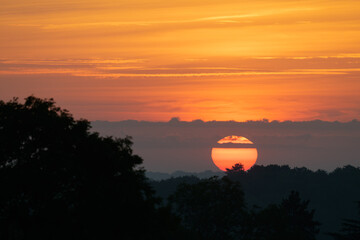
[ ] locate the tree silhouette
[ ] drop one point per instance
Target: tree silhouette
(289, 220)
(58, 180)
(350, 229)
(330, 192)
(213, 208)
(238, 168)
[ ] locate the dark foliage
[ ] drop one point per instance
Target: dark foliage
(212, 208)
(350, 229)
(167, 187)
(289, 220)
(58, 180)
(330, 194)
(215, 209)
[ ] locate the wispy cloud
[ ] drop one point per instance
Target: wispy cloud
(212, 74)
(223, 19)
(116, 68)
(343, 55)
(217, 18)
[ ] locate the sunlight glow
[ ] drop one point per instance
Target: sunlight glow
(225, 158)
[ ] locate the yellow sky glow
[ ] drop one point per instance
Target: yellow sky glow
(198, 59)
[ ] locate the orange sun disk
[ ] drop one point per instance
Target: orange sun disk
(225, 158)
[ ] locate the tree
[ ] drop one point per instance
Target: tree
(238, 168)
(58, 180)
(289, 220)
(350, 229)
(212, 208)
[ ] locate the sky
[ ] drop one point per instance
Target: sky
(186, 146)
(194, 59)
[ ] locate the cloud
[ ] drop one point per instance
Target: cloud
(116, 68)
(313, 144)
(218, 88)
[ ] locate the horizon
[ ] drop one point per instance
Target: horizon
(264, 120)
(179, 145)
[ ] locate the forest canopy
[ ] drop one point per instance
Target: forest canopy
(58, 180)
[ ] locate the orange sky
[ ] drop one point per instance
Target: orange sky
(195, 59)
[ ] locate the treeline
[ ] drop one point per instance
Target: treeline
(332, 195)
(59, 180)
(216, 209)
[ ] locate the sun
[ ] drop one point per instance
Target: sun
(234, 149)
